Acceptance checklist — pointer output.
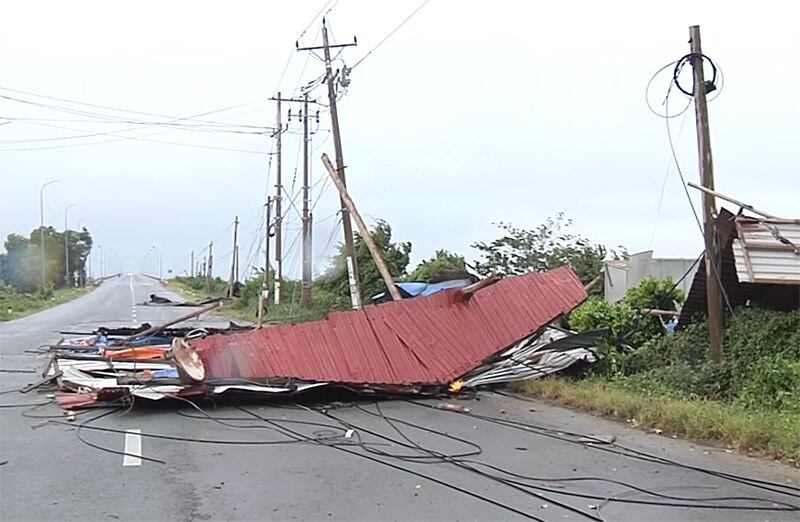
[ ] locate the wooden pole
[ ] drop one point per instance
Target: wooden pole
(158, 328)
(713, 278)
(278, 210)
(731, 200)
(362, 227)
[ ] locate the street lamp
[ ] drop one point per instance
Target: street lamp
(66, 245)
(41, 224)
(160, 263)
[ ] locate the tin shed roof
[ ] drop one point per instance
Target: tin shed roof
(430, 340)
(767, 250)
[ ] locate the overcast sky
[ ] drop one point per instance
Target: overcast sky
(471, 113)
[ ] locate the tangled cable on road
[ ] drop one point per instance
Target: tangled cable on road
(338, 431)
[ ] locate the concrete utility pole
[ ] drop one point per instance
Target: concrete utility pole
(41, 228)
(362, 227)
(306, 278)
(350, 251)
(713, 293)
(67, 278)
(210, 264)
(263, 298)
(232, 280)
(191, 265)
(278, 210)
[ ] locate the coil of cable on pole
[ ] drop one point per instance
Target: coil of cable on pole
(710, 85)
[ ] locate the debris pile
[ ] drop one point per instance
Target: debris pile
(494, 331)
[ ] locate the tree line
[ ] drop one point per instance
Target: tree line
(21, 263)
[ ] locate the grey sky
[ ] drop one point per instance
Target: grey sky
(473, 112)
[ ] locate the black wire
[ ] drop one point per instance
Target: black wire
(688, 502)
(628, 452)
(415, 473)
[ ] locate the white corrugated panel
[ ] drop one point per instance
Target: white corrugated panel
(768, 265)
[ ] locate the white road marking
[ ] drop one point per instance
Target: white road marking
(133, 448)
(133, 298)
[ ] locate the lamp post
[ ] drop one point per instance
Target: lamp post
(66, 245)
(160, 262)
(41, 225)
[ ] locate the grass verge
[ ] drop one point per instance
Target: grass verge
(236, 310)
(763, 432)
(14, 305)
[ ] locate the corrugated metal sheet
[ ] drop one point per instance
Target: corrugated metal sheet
(761, 256)
(738, 293)
(432, 339)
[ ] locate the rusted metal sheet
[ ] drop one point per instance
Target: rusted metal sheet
(427, 340)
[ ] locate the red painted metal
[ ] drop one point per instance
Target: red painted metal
(430, 340)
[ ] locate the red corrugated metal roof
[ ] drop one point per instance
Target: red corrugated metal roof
(432, 339)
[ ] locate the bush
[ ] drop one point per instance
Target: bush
(761, 368)
(774, 383)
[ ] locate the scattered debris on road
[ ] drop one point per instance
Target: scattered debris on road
(489, 332)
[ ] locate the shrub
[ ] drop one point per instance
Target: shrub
(774, 383)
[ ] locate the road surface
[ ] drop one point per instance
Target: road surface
(304, 464)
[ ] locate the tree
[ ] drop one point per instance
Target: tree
(542, 248)
(395, 255)
(21, 265)
(442, 266)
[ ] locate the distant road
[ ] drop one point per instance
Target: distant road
(48, 474)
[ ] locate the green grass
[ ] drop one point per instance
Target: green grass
(236, 310)
(14, 305)
(763, 432)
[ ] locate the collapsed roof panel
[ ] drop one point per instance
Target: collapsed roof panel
(767, 251)
(430, 340)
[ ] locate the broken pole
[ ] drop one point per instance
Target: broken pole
(713, 280)
(362, 227)
(731, 200)
(159, 327)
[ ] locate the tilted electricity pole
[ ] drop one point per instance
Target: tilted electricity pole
(713, 278)
(350, 251)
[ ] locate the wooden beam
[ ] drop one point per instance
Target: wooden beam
(362, 227)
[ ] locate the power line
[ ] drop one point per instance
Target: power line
(415, 11)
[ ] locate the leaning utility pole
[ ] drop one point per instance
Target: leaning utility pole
(278, 211)
(362, 227)
(306, 277)
(350, 251)
(232, 280)
(713, 294)
(263, 298)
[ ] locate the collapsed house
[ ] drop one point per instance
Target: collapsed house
(494, 331)
(759, 260)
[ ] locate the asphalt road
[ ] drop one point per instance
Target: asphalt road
(288, 461)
